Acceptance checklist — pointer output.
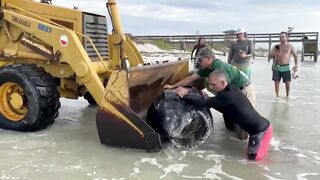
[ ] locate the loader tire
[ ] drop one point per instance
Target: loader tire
(29, 98)
(87, 96)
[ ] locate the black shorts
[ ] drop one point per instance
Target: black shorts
(286, 76)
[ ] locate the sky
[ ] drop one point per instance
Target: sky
(169, 17)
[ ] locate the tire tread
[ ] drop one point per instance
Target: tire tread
(48, 92)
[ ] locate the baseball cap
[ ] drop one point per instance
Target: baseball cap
(240, 30)
(204, 52)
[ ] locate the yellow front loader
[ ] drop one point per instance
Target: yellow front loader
(47, 52)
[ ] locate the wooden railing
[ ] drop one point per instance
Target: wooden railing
(211, 39)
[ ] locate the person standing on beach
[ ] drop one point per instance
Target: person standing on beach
(241, 52)
(196, 49)
(281, 54)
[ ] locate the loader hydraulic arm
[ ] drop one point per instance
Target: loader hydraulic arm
(130, 91)
(115, 116)
(119, 43)
(115, 17)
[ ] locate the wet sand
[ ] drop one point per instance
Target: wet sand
(70, 149)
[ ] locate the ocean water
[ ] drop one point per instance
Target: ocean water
(70, 149)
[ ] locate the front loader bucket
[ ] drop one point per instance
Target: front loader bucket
(129, 94)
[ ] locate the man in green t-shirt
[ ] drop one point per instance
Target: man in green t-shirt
(236, 78)
(208, 64)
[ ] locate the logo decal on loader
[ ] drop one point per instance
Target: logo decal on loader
(64, 41)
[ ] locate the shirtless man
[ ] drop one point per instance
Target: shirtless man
(281, 65)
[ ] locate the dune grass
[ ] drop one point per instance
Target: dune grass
(163, 45)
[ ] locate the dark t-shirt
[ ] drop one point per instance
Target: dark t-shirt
(234, 57)
(236, 78)
(196, 49)
(236, 108)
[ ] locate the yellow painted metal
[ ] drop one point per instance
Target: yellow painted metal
(128, 92)
(16, 100)
(57, 70)
(117, 92)
(58, 25)
(3, 63)
(119, 42)
(13, 103)
(45, 11)
(49, 11)
(114, 50)
(118, 86)
(130, 52)
(116, 20)
(135, 50)
(76, 60)
(15, 53)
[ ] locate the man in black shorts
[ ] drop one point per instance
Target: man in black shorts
(236, 108)
(281, 72)
(281, 54)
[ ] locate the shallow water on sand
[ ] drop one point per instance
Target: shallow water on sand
(70, 149)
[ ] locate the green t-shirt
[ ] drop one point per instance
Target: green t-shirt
(236, 78)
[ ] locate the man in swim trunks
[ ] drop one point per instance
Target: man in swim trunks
(281, 54)
(238, 109)
(236, 78)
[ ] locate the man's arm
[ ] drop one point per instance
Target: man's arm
(185, 82)
(273, 53)
(213, 102)
(230, 55)
(295, 56)
(194, 48)
(250, 49)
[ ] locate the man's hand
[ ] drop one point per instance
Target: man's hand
(168, 87)
(181, 91)
(243, 55)
(295, 68)
(274, 53)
